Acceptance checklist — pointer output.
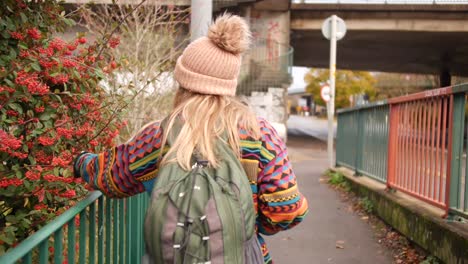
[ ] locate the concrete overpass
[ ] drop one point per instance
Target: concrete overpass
(429, 37)
(407, 38)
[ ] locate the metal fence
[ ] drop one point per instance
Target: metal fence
(362, 139)
(458, 180)
(96, 230)
(421, 145)
(346, 138)
(416, 144)
(267, 65)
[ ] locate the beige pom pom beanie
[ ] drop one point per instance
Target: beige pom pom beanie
(211, 65)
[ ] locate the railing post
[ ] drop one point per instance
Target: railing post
(337, 141)
(392, 143)
(359, 145)
(452, 193)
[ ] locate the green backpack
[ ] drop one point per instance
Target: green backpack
(205, 215)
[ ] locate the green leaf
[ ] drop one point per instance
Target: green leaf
(36, 66)
(99, 74)
(16, 107)
(25, 220)
(45, 116)
(48, 196)
(11, 218)
(5, 34)
(23, 45)
(7, 239)
(27, 184)
(10, 24)
(10, 229)
(24, 18)
(69, 22)
(9, 83)
(13, 54)
(32, 160)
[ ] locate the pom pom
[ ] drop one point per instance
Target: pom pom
(231, 33)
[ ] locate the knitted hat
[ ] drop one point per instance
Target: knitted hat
(211, 65)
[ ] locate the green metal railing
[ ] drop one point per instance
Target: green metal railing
(346, 138)
(362, 140)
(416, 144)
(96, 230)
(458, 197)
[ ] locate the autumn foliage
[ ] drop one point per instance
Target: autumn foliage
(51, 108)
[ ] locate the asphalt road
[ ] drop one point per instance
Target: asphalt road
(308, 125)
(328, 221)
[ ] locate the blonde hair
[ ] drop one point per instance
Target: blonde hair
(204, 119)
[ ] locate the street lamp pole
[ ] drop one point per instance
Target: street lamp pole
(331, 102)
(200, 18)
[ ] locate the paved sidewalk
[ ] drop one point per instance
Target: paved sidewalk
(328, 221)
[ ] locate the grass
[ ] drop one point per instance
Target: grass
(339, 180)
(366, 204)
(430, 260)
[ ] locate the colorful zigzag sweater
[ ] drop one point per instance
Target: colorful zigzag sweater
(131, 168)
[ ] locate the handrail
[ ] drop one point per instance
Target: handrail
(460, 88)
(45, 232)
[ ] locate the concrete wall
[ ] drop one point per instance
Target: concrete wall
(272, 25)
(271, 105)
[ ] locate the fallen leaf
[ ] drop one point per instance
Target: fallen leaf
(340, 244)
(365, 218)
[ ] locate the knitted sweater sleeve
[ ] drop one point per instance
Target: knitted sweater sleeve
(124, 170)
(280, 204)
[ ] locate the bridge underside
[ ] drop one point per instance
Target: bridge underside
(387, 51)
(406, 39)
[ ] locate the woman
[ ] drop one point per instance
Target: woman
(206, 111)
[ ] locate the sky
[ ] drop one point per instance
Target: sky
(298, 83)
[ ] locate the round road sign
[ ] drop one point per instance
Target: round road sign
(340, 28)
(325, 93)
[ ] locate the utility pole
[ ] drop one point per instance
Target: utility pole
(333, 29)
(200, 18)
(331, 103)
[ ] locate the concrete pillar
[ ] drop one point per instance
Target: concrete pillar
(200, 19)
(445, 78)
(274, 25)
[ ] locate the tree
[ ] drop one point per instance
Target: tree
(391, 85)
(52, 107)
(152, 38)
(347, 83)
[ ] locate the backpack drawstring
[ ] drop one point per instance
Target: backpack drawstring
(189, 221)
